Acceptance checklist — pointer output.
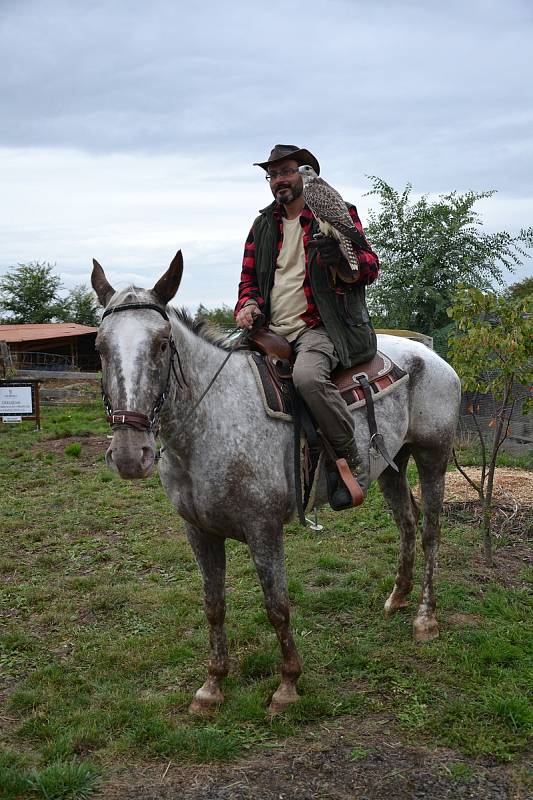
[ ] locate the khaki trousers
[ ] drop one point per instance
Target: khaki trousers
(315, 360)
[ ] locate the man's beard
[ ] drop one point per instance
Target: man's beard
(289, 197)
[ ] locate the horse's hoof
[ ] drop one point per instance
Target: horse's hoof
(282, 698)
(425, 629)
(205, 702)
(202, 708)
(394, 603)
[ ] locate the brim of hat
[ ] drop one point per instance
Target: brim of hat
(302, 156)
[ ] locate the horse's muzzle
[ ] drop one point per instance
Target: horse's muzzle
(131, 453)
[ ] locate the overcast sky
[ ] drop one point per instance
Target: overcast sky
(128, 128)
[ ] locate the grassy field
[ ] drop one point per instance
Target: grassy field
(103, 641)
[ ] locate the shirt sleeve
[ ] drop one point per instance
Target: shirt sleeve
(366, 258)
(248, 286)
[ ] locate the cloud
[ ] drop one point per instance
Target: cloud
(129, 129)
(132, 213)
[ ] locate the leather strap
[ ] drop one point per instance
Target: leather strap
(344, 471)
(133, 419)
(134, 306)
(356, 493)
(297, 420)
(376, 438)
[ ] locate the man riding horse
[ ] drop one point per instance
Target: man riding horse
(300, 281)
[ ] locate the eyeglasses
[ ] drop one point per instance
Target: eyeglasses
(286, 172)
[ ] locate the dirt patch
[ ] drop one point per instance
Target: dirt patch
(62, 383)
(511, 486)
(92, 447)
(510, 564)
(512, 513)
(346, 760)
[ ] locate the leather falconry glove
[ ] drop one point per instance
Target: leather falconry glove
(328, 251)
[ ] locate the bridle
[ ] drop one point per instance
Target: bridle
(134, 419)
(141, 422)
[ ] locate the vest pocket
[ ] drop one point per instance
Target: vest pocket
(351, 310)
(361, 343)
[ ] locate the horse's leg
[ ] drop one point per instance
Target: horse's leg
(267, 553)
(211, 557)
(432, 473)
(397, 493)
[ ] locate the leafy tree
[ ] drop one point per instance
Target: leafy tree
(441, 337)
(30, 293)
(427, 249)
(521, 289)
(492, 349)
(221, 316)
(80, 306)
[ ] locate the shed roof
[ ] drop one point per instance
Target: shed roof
(37, 332)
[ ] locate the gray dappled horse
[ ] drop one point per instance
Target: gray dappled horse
(228, 467)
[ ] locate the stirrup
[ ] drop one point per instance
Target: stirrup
(344, 491)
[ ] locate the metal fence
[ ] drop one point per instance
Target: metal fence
(46, 361)
(85, 362)
(520, 437)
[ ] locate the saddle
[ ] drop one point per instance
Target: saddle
(272, 359)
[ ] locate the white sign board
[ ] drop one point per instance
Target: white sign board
(11, 419)
(16, 400)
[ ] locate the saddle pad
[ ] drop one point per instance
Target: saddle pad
(275, 393)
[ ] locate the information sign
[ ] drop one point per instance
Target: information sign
(19, 399)
(16, 400)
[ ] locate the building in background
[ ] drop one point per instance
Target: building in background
(51, 346)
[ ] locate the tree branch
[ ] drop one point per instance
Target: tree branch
(483, 454)
(505, 434)
(479, 489)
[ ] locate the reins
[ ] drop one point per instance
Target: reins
(142, 422)
(236, 344)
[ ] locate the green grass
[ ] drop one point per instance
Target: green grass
(60, 780)
(73, 450)
(103, 640)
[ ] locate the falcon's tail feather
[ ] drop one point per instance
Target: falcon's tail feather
(354, 235)
(348, 253)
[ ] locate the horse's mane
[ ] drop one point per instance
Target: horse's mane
(203, 328)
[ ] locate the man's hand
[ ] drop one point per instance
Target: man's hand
(328, 251)
(246, 316)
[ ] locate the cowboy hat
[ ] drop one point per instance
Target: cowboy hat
(282, 151)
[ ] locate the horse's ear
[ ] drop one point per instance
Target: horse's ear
(104, 290)
(167, 286)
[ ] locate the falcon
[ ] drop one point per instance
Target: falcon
(331, 213)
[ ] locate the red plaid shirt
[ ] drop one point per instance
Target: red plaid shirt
(248, 286)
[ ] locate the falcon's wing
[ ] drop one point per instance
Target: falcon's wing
(334, 218)
(327, 204)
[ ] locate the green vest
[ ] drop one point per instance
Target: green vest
(342, 309)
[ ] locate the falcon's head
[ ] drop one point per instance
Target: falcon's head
(308, 174)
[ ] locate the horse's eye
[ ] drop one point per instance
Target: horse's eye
(163, 346)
